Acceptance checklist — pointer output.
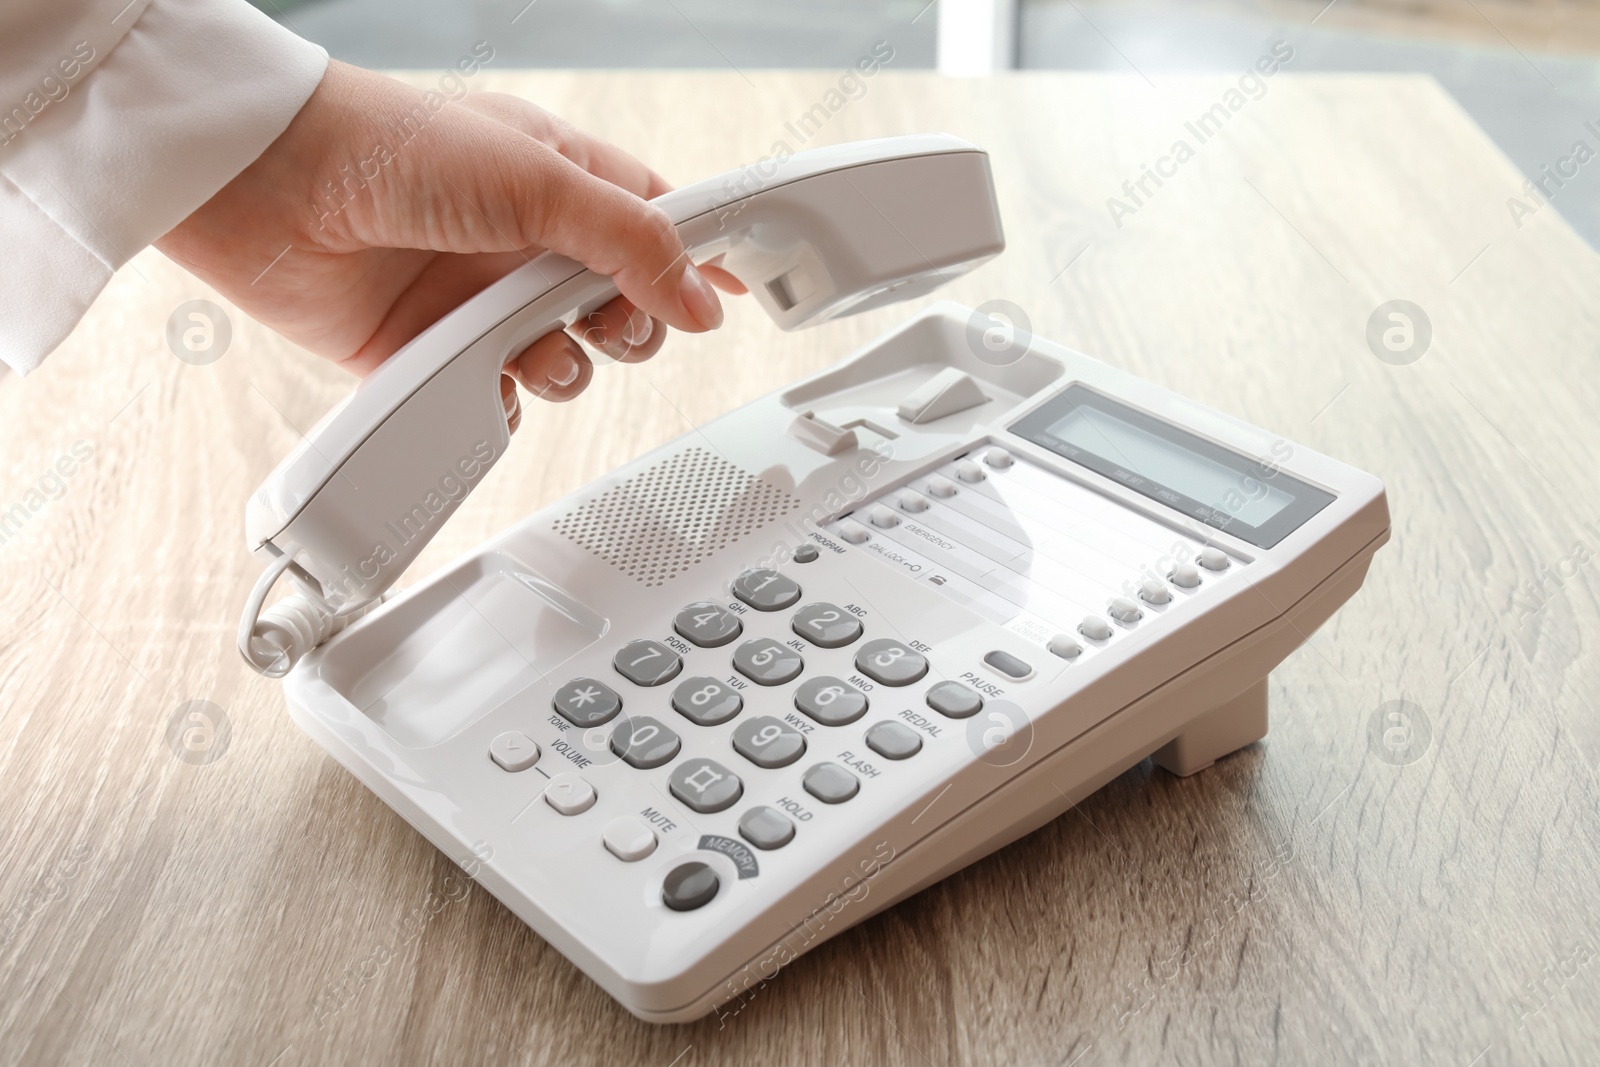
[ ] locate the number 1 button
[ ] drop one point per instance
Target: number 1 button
(765, 589)
(647, 662)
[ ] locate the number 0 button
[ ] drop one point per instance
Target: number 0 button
(765, 662)
(768, 743)
(890, 662)
(647, 662)
(765, 589)
(826, 625)
(644, 743)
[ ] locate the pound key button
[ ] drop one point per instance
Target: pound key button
(705, 785)
(689, 886)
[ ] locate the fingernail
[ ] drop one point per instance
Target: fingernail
(640, 327)
(565, 370)
(697, 296)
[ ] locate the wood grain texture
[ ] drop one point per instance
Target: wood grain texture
(1304, 901)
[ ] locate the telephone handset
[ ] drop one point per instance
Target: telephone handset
(820, 234)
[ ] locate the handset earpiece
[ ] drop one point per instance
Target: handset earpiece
(816, 235)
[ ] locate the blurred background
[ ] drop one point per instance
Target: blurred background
(1526, 70)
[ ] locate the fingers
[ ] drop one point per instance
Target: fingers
(621, 331)
(600, 158)
(554, 367)
(473, 188)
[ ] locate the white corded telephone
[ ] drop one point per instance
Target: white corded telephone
(764, 682)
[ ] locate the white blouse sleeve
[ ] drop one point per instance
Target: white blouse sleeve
(118, 119)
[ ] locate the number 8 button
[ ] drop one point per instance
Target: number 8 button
(890, 662)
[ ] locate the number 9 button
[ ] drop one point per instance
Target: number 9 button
(766, 742)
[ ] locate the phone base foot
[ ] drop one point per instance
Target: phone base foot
(1226, 728)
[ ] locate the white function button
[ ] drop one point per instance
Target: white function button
(628, 839)
(854, 532)
(1213, 559)
(569, 794)
(1095, 628)
(940, 486)
(911, 500)
(969, 471)
(1064, 646)
(1184, 576)
(1154, 591)
(514, 751)
(998, 458)
(883, 518)
(1124, 610)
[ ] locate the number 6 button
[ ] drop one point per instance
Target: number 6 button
(890, 662)
(826, 625)
(647, 662)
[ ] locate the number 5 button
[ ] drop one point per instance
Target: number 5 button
(826, 625)
(765, 662)
(890, 662)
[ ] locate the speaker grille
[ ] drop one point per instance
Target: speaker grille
(683, 510)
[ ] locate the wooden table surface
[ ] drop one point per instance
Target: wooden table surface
(1422, 890)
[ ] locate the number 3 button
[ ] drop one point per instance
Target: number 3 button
(890, 662)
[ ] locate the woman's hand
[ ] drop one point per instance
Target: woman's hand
(372, 216)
